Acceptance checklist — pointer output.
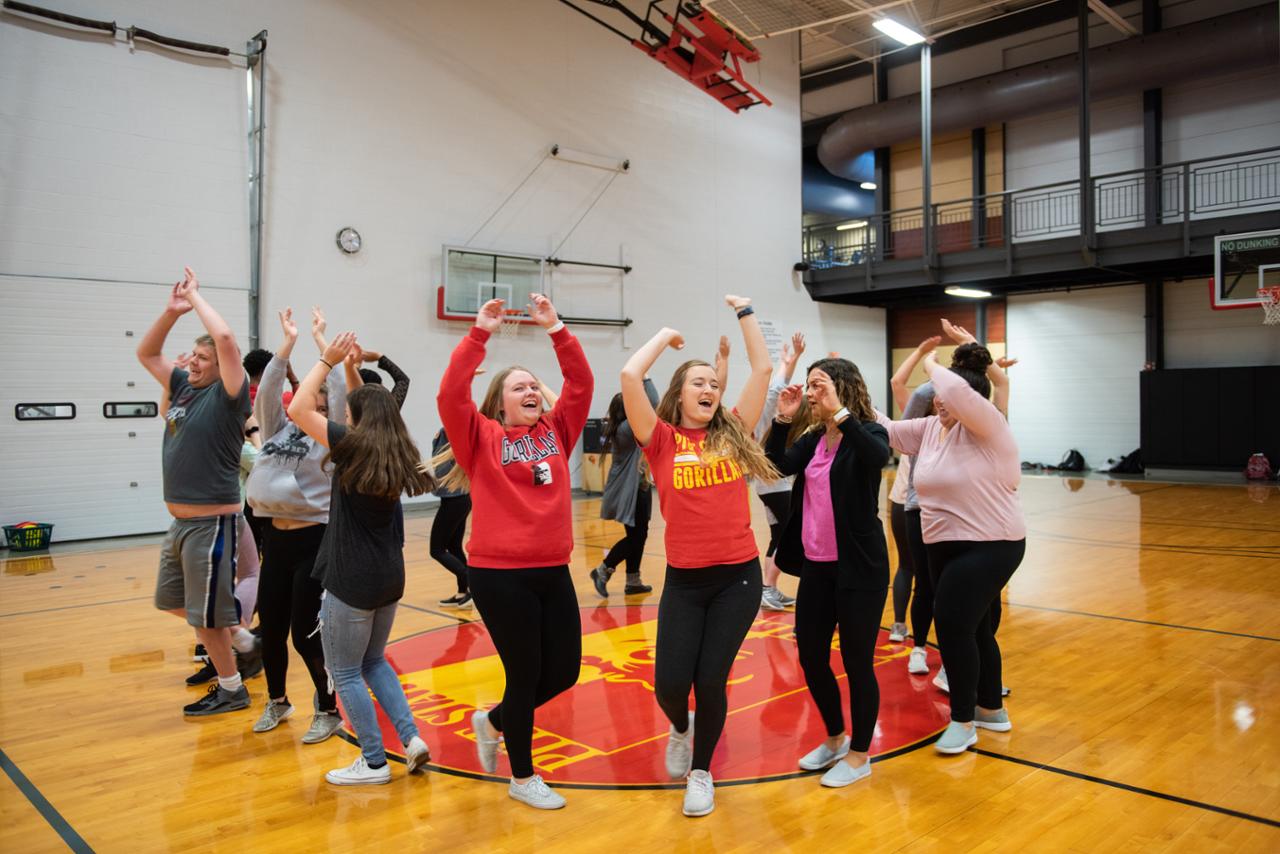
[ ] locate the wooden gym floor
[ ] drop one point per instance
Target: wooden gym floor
(1141, 640)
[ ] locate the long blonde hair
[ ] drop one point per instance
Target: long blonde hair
(490, 407)
(726, 434)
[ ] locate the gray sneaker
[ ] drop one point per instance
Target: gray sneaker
(822, 756)
(272, 715)
(771, 600)
(842, 774)
(699, 794)
(217, 701)
(486, 747)
(789, 601)
(956, 738)
(535, 793)
(323, 725)
(997, 721)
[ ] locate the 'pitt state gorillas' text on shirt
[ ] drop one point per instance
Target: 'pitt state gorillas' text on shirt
(704, 500)
(522, 512)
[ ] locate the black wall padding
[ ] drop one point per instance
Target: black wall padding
(1210, 417)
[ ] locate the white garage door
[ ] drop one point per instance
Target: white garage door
(72, 344)
(117, 167)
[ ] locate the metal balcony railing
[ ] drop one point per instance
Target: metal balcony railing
(1171, 193)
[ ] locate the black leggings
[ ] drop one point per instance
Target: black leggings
(703, 617)
(970, 577)
(289, 599)
(925, 578)
(447, 530)
(532, 617)
(906, 568)
(631, 547)
(779, 504)
(821, 606)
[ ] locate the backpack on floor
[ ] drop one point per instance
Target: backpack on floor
(1258, 468)
(1130, 463)
(1072, 460)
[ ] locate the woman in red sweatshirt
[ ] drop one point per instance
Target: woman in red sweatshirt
(515, 457)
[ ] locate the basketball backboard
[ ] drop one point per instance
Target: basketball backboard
(1242, 265)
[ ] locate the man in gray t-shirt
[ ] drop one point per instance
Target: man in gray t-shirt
(204, 431)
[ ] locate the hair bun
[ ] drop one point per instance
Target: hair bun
(974, 357)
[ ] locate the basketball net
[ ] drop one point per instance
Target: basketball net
(510, 324)
(1270, 298)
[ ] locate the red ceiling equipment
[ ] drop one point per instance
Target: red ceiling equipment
(698, 46)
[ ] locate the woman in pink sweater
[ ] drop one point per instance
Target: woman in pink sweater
(966, 475)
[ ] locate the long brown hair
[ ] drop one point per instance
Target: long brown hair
(490, 407)
(378, 456)
(850, 388)
(726, 435)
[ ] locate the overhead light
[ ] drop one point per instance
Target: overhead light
(971, 293)
(898, 32)
(845, 226)
(868, 185)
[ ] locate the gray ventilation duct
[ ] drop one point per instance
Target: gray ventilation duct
(1229, 43)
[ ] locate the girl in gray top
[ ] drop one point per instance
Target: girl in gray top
(290, 487)
(628, 498)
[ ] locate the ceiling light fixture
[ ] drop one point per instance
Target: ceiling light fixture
(845, 226)
(971, 293)
(898, 32)
(868, 185)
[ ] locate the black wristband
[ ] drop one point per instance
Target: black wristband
(252, 430)
(326, 364)
(745, 311)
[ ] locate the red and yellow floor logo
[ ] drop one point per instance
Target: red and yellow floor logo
(608, 731)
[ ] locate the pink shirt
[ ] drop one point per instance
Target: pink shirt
(818, 531)
(968, 481)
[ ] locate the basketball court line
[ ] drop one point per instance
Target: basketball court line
(73, 607)
(1012, 604)
(1115, 784)
(1203, 551)
(47, 811)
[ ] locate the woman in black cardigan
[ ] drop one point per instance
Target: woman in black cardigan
(835, 542)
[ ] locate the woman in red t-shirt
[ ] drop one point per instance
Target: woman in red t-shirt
(515, 457)
(700, 454)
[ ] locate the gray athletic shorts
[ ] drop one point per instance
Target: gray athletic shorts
(198, 570)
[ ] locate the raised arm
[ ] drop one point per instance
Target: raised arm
(318, 326)
(790, 357)
(898, 382)
(230, 365)
(548, 395)
(569, 411)
(399, 379)
(302, 409)
(267, 406)
(751, 401)
(998, 373)
(458, 413)
(150, 348)
(641, 414)
(722, 363)
(351, 369)
(792, 460)
(978, 415)
(905, 436)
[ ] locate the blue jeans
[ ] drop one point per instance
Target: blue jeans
(354, 640)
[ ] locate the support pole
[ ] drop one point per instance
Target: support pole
(1086, 176)
(978, 147)
(926, 152)
(1152, 129)
(256, 50)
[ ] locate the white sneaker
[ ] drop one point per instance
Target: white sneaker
(680, 751)
(359, 773)
(940, 681)
(535, 793)
(842, 774)
(897, 632)
(918, 662)
(415, 754)
(699, 794)
(771, 600)
(822, 756)
(486, 747)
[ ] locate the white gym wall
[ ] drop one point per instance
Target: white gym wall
(411, 122)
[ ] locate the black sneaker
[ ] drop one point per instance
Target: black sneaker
(634, 588)
(250, 663)
(203, 675)
(600, 579)
(457, 600)
(218, 701)
(200, 654)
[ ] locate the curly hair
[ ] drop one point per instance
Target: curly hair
(970, 361)
(851, 388)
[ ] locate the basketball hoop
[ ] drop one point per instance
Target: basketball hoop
(1270, 300)
(510, 328)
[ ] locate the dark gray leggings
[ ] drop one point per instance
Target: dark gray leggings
(703, 618)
